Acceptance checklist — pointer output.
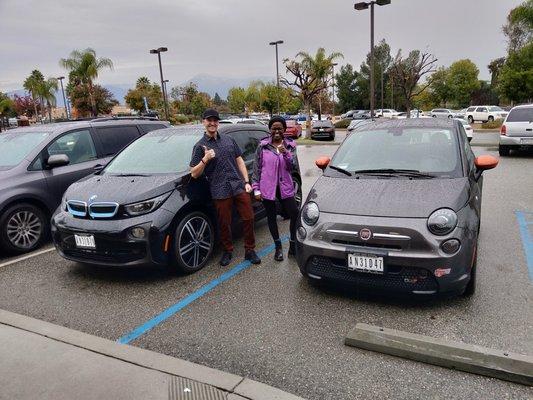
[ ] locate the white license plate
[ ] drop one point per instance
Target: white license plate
(86, 242)
(526, 141)
(365, 263)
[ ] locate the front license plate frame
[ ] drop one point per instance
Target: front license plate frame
(85, 241)
(526, 141)
(366, 263)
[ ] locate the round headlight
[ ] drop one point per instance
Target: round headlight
(310, 213)
(442, 221)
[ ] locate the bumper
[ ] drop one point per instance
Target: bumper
(114, 244)
(322, 135)
(411, 256)
(516, 140)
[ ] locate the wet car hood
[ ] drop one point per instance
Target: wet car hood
(416, 198)
(122, 189)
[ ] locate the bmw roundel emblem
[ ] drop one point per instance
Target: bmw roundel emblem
(365, 233)
(92, 198)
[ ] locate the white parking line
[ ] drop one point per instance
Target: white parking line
(31, 255)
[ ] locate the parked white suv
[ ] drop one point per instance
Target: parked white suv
(485, 113)
(386, 113)
(517, 129)
(443, 113)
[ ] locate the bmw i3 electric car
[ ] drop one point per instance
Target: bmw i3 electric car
(144, 208)
(396, 210)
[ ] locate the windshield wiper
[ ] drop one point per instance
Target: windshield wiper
(392, 171)
(124, 175)
(341, 170)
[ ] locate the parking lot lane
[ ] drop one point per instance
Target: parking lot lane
(525, 221)
(107, 302)
(16, 259)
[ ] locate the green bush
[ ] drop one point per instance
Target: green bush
(492, 125)
(342, 124)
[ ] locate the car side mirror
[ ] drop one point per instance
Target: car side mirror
(322, 162)
(58, 160)
(484, 163)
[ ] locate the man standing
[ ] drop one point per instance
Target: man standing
(220, 159)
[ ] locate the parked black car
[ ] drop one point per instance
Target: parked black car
(397, 210)
(144, 208)
(38, 163)
(323, 129)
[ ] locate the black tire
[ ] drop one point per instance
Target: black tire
(504, 150)
(23, 228)
(450, 116)
(470, 119)
(298, 191)
(193, 243)
(491, 118)
(471, 285)
(332, 138)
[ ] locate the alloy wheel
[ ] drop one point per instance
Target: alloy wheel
(195, 242)
(24, 229)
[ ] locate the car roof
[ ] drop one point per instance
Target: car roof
(408, 123)
(194, 129)
(523, 106)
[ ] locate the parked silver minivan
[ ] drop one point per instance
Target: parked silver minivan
(517, 130)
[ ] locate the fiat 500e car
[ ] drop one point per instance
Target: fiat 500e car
(396, 210)
(144, 208)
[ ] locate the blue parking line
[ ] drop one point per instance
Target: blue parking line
(169, 312)
(525, 220)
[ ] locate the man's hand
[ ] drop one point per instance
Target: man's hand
(209, 154)
(248, 188)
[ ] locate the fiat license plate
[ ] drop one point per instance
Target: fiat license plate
(85, 242)
(365, 263)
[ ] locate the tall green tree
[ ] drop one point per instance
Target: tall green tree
(382, 63)
(311, 74)
(144, 88)
(519, 26)
(47, 92)
(84, 67)
(440, 91)
(237, 99)
(347, 90)
(32, 84)
(463, 82)
(189, 100)
(103, 100)
(7, 108)
(516, 77)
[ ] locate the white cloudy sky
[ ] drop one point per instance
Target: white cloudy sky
(229, 38)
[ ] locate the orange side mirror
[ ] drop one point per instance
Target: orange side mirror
(486, 162)
(322, 162)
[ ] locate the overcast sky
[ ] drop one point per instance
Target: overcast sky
(229, 38)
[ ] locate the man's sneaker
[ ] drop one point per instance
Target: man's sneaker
(252, 257)
(226, 258)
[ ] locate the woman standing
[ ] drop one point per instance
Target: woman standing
(272, 180)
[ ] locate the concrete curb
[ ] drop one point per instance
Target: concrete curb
(455, 355)
(234, 384)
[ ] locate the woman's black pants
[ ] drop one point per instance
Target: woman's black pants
(291, 209)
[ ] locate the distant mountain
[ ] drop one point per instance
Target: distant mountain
(205, 83)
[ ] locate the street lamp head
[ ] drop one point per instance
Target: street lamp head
(382, 2)
(162, 49)
(60, 77)
(361, 6)
(153, 51)
(276, 42)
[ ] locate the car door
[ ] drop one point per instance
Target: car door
(80, 148)
(475, 185)
(481, 114)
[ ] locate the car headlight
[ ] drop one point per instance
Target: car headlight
(146, 206)
(442, 221)
(310, 213)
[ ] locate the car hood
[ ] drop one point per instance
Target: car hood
(121, 189)
(403, 198)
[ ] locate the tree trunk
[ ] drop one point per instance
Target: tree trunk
(41, 103)
(49, 111)
(34, 106)
(91, 99)
(307, 103)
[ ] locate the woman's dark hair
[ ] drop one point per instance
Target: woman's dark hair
(277, 118)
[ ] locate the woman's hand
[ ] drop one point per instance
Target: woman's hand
(282, 149)
(257, 195)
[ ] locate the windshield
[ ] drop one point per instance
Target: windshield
(495, 108)
(14, 146)
(428, 150)
(165, 151)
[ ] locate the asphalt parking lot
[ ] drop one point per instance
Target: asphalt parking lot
(268, 323)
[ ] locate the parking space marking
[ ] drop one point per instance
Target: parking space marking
(169, 312)
(26, 257)
(525, 221)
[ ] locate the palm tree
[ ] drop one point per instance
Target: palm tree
(47, 92)
(85, 66)
(32, 85)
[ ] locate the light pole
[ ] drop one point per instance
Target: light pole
(60, 79)
(166, 92)
(333, 86)
(363, 6)
(158, 51)
(277, 66)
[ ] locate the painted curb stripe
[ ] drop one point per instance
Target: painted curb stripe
(169, 312)
(31, 255)
(527, 241)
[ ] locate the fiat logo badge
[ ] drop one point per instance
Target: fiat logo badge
(365, 233)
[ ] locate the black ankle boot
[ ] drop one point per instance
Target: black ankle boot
(292, 248)
(278, 255)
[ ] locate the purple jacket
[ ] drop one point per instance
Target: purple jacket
(272, 169)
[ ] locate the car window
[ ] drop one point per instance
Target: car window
(429, 150)
(466, 144)
(481, 109)
(145, 128)
(247, 142)
(77, 145)
(115, 138)
(470, 109)
(495, 108)
(521, 115)
(14, 146)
